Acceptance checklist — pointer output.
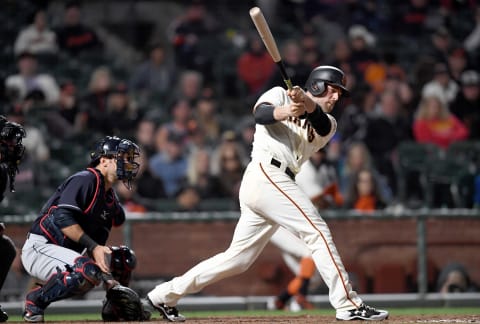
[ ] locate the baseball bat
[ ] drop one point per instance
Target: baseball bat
(264, 31)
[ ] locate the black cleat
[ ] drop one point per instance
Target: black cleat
(3, 315)
(169, 313)
(364, 312)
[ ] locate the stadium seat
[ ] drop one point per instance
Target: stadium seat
(449, 183)
(413, 161)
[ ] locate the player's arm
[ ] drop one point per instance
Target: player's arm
(267, 113)
(65, 219)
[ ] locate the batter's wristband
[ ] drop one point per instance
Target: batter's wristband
(87, 241)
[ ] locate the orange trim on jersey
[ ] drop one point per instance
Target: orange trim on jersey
(319, 232)
(96, 190)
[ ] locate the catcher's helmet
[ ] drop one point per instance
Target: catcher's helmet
(326, 74)
(11, 147)
(124, 151)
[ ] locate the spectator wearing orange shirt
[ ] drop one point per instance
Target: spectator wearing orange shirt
(434, 123)
(363, 194)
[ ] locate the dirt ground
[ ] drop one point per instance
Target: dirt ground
(309, 319)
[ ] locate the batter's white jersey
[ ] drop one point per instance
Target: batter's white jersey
(292, 141)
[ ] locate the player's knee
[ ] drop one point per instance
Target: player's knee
(86, 272)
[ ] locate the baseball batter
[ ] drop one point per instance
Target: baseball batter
(290, 126)
(65, 248)
(11, 154)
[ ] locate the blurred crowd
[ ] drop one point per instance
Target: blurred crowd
(412, 67)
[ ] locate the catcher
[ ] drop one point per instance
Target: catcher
(65, 248)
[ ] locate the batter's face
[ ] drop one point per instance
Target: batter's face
(328, 100)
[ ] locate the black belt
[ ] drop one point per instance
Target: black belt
(278, 164)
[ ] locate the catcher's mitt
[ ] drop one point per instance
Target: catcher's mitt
(123, 304)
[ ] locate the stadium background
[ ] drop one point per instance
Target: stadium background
(128, 28)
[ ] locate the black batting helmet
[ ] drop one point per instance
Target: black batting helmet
(124, 151)
(326, 74)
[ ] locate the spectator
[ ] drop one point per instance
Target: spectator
(358, 158)
(122, 112)
(231, 166)
(245, 132)
(148, 186)
(182, 125)
(68, 104)
(457, 62)
(361, 44)
(190, 35)
(145, 135)
(155, 76)
(255, 66)
(454, 278)
(435, 124)
(74, 36)
(364, 194)
(441, 43)
(29, 84)
(200, 176)
(170, 164)
(188, 199)
(94, 105)
(353, 122)
(385, 130)
(189, 87)
(467, 102)
(37, 38)
(208, 119)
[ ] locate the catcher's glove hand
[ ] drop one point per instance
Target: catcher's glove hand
(123, 304)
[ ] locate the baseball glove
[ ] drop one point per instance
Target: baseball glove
(123, 304)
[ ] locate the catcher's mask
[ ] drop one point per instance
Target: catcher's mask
(323, 75)
(124, 151)
(11, 147)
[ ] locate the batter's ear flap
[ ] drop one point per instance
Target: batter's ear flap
(317, 88)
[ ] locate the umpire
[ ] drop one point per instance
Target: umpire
(65, 248)
(11, 153)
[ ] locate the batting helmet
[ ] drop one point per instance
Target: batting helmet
(326, 74)
(124, 151)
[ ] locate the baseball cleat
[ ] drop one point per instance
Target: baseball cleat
(3, 315)
(32, 313)
(364, 312)
(169, 313)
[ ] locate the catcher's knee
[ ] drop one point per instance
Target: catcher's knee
(86, 274)
(122, 263)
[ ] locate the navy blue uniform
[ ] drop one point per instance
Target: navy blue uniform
(94, 209)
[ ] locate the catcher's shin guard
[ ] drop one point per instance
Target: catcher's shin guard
(79, 279)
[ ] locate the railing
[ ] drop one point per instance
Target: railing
(419, 215)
